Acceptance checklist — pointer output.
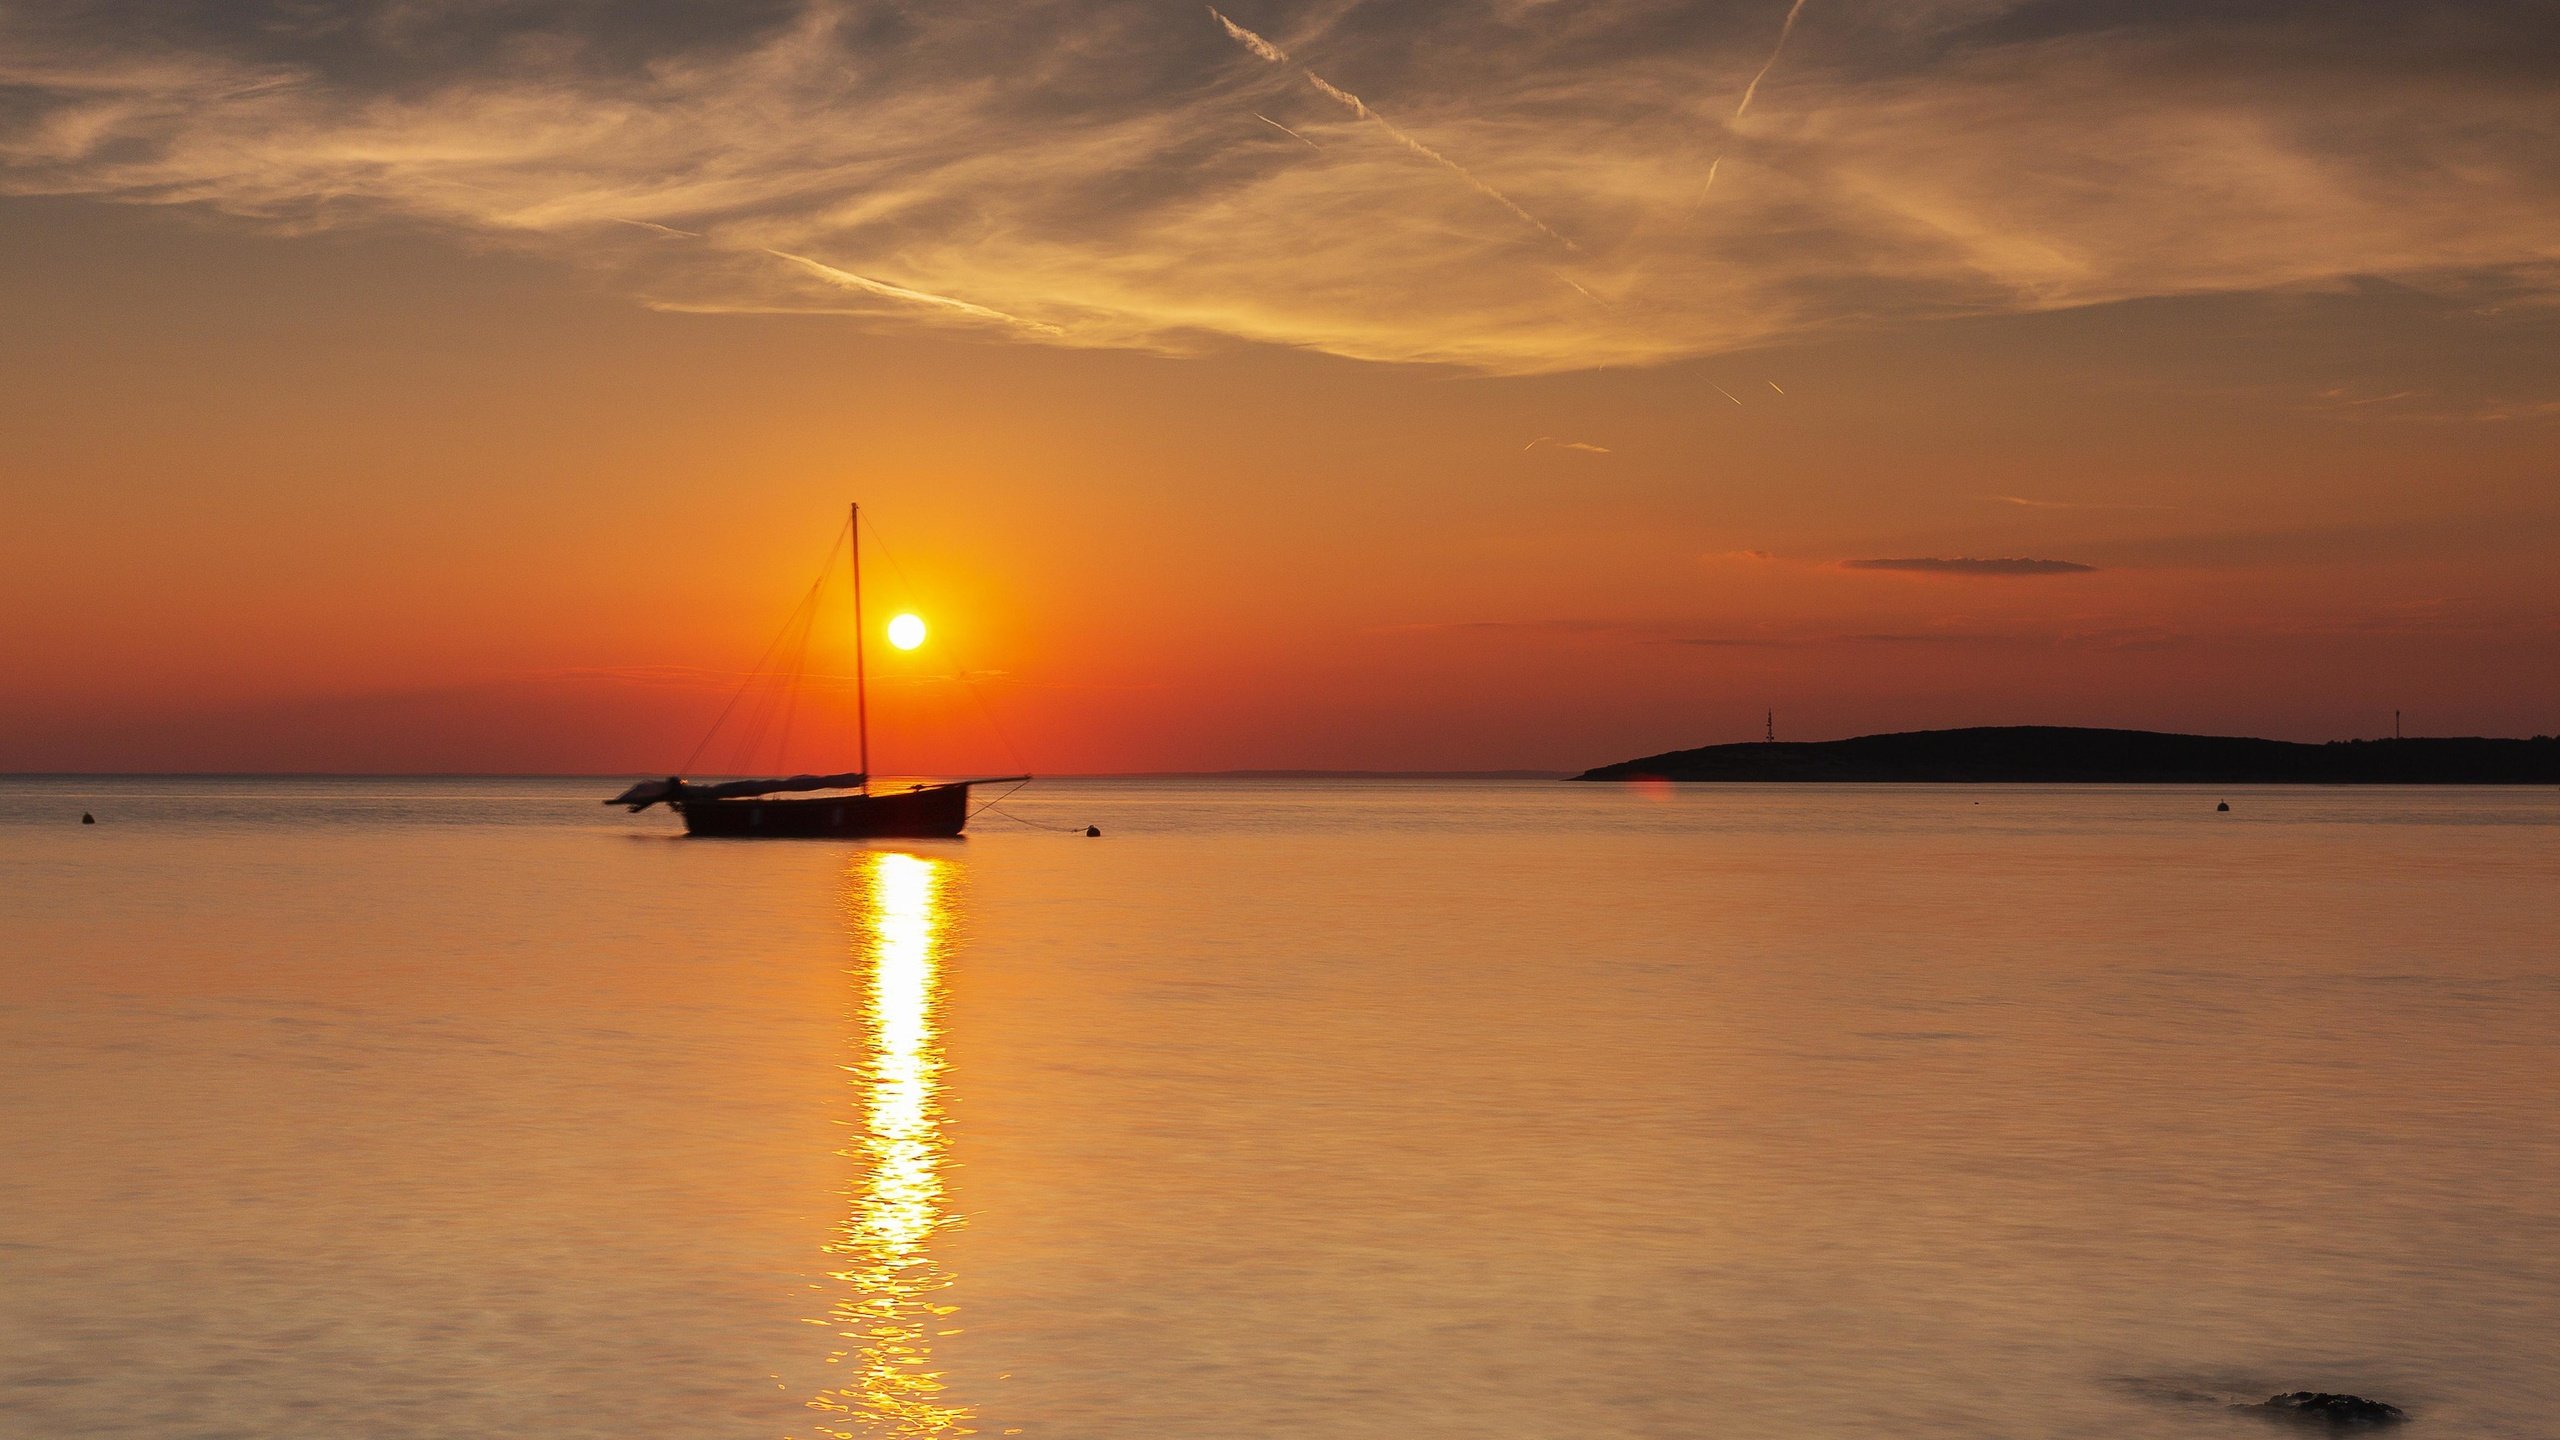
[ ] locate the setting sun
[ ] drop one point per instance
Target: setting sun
(906, 631)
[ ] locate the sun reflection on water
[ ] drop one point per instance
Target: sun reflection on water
(885, 1310)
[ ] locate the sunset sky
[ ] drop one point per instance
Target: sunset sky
(474, 385)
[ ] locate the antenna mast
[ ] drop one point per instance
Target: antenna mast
(861, 680)
(1769, 734)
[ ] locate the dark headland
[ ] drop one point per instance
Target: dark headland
(2063, 755)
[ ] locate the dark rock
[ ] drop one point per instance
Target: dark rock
(1092, 832)
(2319, 1407)
(2224, 807)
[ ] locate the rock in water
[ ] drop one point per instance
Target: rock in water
(2321, 1407)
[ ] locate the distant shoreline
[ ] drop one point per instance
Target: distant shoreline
(2065, 755)
(618, 776)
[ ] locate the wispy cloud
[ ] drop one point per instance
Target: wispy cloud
(1068, 165)
(1552, 443)
(1967, 565)
(1348, 101)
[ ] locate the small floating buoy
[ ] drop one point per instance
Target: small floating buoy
(1093, 832)
(2224, 806)
(88, 819)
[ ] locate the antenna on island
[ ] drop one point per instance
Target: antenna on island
(2395, 724)
(1769, 727)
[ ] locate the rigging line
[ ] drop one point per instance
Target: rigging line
(743, 755)
(780, 683)
(997, 806)
(750, 678)
(986, 805)
(960, 669)
(799, 672)
(1036, 825)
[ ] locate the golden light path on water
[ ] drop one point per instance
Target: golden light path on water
(885, 1308)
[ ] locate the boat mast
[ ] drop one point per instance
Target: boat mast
(861, 681)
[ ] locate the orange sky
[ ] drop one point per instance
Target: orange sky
(1273, 452)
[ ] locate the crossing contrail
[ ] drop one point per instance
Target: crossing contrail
(864, 283)
(654, 225)
(1285, 130)
(1353, 103)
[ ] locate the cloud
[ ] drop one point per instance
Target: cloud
(1070, 164)
(1966, 565)
(1552, 442)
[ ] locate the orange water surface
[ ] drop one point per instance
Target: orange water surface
(1361, 1110)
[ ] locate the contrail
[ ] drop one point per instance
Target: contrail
(661, 229)
(1251, 41)
(1353, 103)
(1771, 63)
(1784, 30)
(850, 281)
(1722, 391)
(1700, 202)
(1772, 384)
(1285, 130)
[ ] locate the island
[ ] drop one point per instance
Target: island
(2067, 755)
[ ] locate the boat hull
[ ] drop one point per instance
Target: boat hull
(926, 812)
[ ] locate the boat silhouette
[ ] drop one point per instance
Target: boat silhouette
(838, 806)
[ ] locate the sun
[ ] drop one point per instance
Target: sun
(906, 631)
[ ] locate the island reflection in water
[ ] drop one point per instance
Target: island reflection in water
(885, 1309)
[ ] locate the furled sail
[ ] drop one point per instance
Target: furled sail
(670, 791)
(740, 789)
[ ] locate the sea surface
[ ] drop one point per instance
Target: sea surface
(1355, 1110)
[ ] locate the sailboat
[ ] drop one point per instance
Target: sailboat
(748, 809)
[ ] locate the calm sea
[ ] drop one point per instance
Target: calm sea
(1344, 1110)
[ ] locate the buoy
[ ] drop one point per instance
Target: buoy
(88, 819)
(1093, 832)
(2224, 806)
